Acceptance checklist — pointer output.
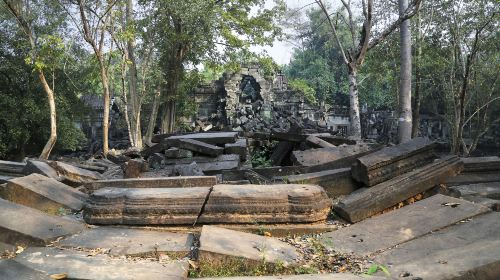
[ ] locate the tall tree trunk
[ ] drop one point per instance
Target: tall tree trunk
(405, 112)
(53, 120)
(418, 80)
(152, 119)
(355, 129)
(105, 118)
(125, 100)
(134, 100)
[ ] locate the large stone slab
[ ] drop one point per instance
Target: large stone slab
(324, 155)
(392, 161)
(363, 204)
(220, 244)
(78, 265)
(161, 182)
(239, 148)
(214, 138)
(335, 182)
(42, 193)
(481, 164)
(23, 225)
(145, 206)
(40, 167)
(75, 174)
(334, 276)
(282, 203)
(463, 251)
(488, 190)
(11, 167)
(473, 178)
(10, 269)
(195, 146)
(132, 242)
(317, 142)
(401, 225)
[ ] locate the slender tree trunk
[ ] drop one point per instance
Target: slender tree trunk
(355, 129)
(418, 80)
(105, 118)
(134, 100)
(405, 112)
(53, 120)
(125, 100)
(152, 119)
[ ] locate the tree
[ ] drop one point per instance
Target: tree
(405, 112)
(95, 36)
(16, 8)
(354, 55)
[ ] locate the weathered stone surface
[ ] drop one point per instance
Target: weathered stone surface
(10, 269)
(473, 178)
(163, 182)
(317, 142)
(361, 205)
(145, 206)
(42, 193)
(131, 242)
(75, 174)
(392, 161)
(11, 167)
(153, 149)
(191, 169)
(239, 148)
(214, 138)
(281, 151)
(156, 160)
(336, 276)
(324, 155)
(488, 190)
(335, 182)
(218, 244)
(134, 167)
(40, 167)
(195, 146)
(77, 265)
(176, 153)
(463, 251)
(32, 226)
(203, 159)
(401, 225)
(266, 204)
(481, 164)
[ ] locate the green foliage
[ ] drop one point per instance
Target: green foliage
(377, 267)
(260, 158)
(302, 86)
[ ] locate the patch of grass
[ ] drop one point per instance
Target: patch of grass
(238, 267)
(377, 267)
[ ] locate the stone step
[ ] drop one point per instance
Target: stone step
(131, 242)
(463, 251)
(219, 246)
(399, 226)
(335, 182)
(282, 203)
(363, 204)
(161, 182)
(392, 161)
(42, 193)
(145, 206)
(24, 225)
(78, 265)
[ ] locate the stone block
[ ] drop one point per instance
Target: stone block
(335, 182)
(239, 148)
(78, 265)
(219, 245)
(75, 174)
(40, 167)
(195, 146)
(132, 242)
(325, 155)
(24, 225)
(42, 193)
(162, 182)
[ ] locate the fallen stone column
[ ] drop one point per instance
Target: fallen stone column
(163, 182)
(371, 201)
(389, 162)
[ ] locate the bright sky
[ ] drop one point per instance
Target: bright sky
(281, 52)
